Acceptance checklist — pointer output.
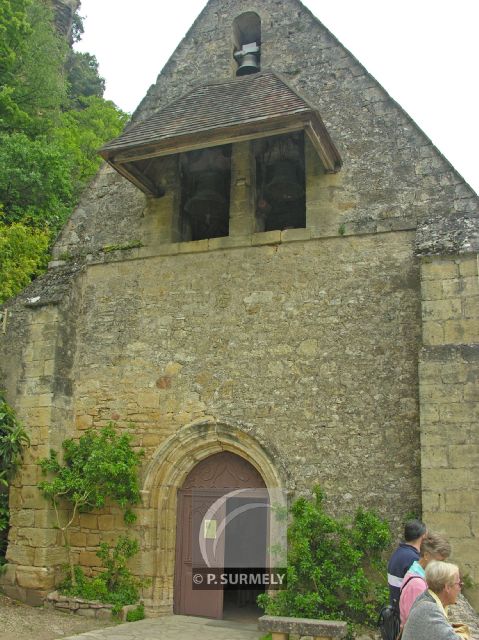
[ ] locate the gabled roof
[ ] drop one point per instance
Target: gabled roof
(251, 106)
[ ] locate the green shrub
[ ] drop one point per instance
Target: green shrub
(100, 465)
(13, 440)
(136, 614)
(116, 585)
(335, 568)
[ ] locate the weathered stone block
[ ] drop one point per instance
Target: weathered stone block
(471, 307)
(31, 498)
(266, 237)
(439, 269)
(88, 521)
(442, 309)
(292, 235)
(468, 266)
(229, 242)
(195, 246)
(461, 331)
(464, 456)
(20, 554)
(462, 501)
(465, 412)
(35, 578)
(432, 332)
(434, 457)
(36, 537)
(431, 290)
(148, 399)
(431, 501)
(50, 557)
(89, 559)
(106, 522)
(93, 539)
(87, 613)
(450, 524)
(8, 575)
(84, 421)
(78, 539)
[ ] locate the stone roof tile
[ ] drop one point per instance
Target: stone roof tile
(243, 100)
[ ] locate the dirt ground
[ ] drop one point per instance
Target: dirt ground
(18, 621)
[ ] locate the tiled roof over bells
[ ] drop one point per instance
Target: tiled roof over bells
(217, 113)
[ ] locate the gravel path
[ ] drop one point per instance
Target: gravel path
(18, 621)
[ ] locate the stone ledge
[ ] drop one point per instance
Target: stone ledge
(87, 608)
(158, 250)
(303, 626)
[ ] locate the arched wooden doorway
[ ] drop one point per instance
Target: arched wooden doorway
(211, 479)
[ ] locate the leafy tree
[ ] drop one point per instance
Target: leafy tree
(14, 27)
(35, 85)
(53, 119)
(83, 78)
(23, 254)
(77, 27)
(35, 181)
(13, 440)
(82, 132)
(100, 466)
(335, 568)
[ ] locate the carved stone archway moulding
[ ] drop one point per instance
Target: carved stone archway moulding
(166, 473)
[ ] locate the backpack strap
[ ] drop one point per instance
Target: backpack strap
(409, 580)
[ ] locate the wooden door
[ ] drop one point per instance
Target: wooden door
(209, 480)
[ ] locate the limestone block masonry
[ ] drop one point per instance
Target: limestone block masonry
(449, 392)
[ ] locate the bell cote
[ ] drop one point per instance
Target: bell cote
(228, 158)
(247, 43)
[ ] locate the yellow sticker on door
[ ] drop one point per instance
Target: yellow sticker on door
(209, 529)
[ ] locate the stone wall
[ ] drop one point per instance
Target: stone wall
(449, 390)
(38, 349)
(308, 346)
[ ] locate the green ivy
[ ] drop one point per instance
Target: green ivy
(100, 466)
(335, 568)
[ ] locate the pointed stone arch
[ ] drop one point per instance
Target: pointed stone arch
(165, 474)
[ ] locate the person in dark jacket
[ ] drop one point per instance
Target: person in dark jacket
(406, 553)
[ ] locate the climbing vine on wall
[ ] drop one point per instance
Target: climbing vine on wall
(13, 440)
(100, 466)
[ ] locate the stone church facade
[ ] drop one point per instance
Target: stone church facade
(274, 263)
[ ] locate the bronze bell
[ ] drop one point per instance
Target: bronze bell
(249, 64)
(208, 206)
(248, 59)
(282, 184)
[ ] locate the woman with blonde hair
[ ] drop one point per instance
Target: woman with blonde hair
(427, 618)
(433, 547)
